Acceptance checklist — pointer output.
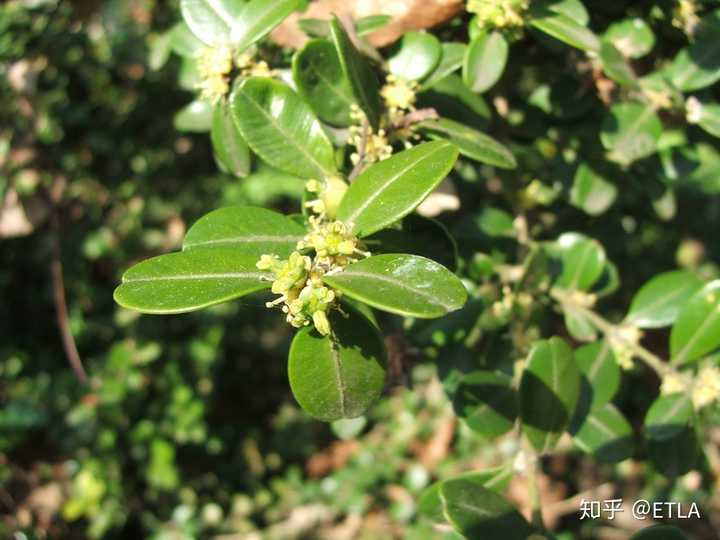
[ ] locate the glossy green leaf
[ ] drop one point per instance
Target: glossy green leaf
(257, 19)
(605, 434)
(668, 416)
(574, 9)
(315, 27)
(367, 25)
(454, 101)
(659, 301)
(211, 20)
(452, 58)
(600, 373)
(709, 118)
(696, 331)
(321, 82)
(358, 72)
(190, 280)
(281, 128)
(616, 67)
(549, 390)
(630, 131)
(251, 231)
(591, 192)
(565, 29)
(632, 37)
(583, 261)
(698, 66)
(485, 61)
(231, 150)
(578, 325)
(183, 42)
(389, 190)
(404, 284)
(338, 376)
(477, 512)
(415, 56)
(430, 504)
(486, 402)
(471, 143)
(196, 117)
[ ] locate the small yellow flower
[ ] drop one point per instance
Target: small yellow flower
(707, 386)
(399, 93)
(674, 383)
(622, 341)
(506, 15)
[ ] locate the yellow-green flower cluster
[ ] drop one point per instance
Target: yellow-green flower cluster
(328, 194)
(685, 16)
(622, 342)
(215, 65)
(704, 388)
(374, 146)
(399, 95)
(505, 15)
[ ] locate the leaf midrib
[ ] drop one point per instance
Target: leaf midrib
(199, 277)
(246, 240)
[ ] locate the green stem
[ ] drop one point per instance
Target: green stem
(532, 471)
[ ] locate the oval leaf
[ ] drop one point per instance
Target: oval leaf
(231, 150)
(415, 56)
(257, 18)
(591, 192)
(391, 189)
(696, 331)
(321, 82)
(565, 29)
(698, 66)
(659, 301)
(600, 373)
(668, 416)
(616, 67)
(211, 20)
(487, 402)
(583, 261)
(338, 376)
(404, 284)
(485, 61)
(605, 434)
(281, 128)
(190, 280)
(631, 131)
(194, 117)
(451, 60)
(251, 231)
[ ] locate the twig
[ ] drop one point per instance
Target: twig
(531, 472)
(61, 311)
(357, 169)
(415, 117)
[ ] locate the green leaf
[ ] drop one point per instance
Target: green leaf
(389, 190)
(453, 100)
(709, 118)
(404, 284)
(367, 25)
(415, 56)
(565, 29)
(430, 504)
(578, 325)
(231, 150)
(659, 301)
(630, 131)
(616, 67)
(183, 42)
(453, 55)
(668, 416)
(696, 331)
(471, 143)
(358, 72)
(281, 128)
(190, 280)
(321, 82)
(477, 512)
(591, 192)
(600, 373)
(659, 532)
(605, 434)
(698, 66)
(211, 20)
(583, 261)
(487, 402)
(485, 61)
(251, 231)
(632, 37)
(257, 19)
(338, 376)
(677, 455)
(196, 117)
(549, 390)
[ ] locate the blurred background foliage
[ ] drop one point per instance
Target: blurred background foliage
(186, 427)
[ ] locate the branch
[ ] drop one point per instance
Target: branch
(415, 117)
(357, 169)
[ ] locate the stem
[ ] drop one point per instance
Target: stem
(357, 169)
(532, 472)
(609, 329)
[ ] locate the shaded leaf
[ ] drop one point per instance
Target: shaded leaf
(668, 416)
(605, 434)
(484, 61)
(415, 56)
(453, 55)
(194, 117)
(591, 192)
(231, 150)
(630, 131)
(257, 18)
(487, 402)
(601, 374)
(565, 29)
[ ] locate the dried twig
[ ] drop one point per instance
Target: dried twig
(415, 117)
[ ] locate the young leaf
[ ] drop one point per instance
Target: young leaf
(606, 434)
(361, 76)
(190, 280)
(230, 148)
(281, 128)
(183, 42)
(477, 512)
(257, 18)
(631, 131)
(696, 331)
(321, 82)
(211, 20)
(451, 60)
(341, 375)
(196, 117)
(251, 231)
(659, 301)
(487, 402)
(668, 416)
(583, 261)
(391, 189)
(367, 25)
(591, 192)
(549, 389)
(565, 29)
(632, 37)
(404, 284)
(485, 61)
(415, 56)
(471, 143)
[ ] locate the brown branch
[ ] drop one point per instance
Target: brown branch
(415, 117)
(357, 169)
(61, 310)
